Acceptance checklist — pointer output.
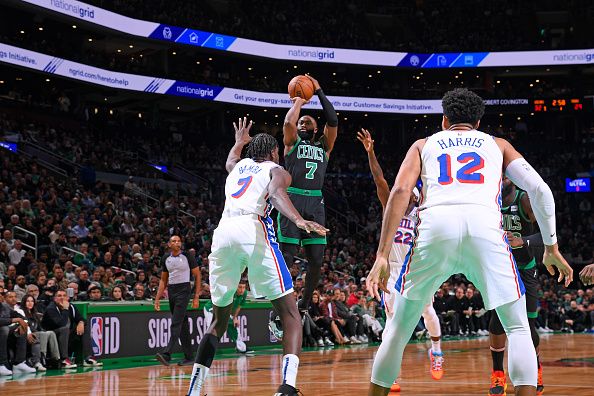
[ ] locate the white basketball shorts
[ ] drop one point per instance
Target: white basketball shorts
(464, 239)
(247, 242)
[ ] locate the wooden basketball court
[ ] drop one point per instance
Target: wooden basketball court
(568, 370)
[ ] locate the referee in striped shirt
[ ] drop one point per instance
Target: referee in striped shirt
(177, 268)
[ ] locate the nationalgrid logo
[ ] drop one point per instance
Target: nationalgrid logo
(314, 54)
(75, 9)
(585, 57)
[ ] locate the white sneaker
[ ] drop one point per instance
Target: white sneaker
(240, 346)
(5, 371)
(365, 338)
(327, 342)
(40, 367)
(354, 340)
(320, 342)
(23, 368)
(361, 339)
(90, 362)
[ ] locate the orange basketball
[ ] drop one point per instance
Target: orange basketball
(301, 86)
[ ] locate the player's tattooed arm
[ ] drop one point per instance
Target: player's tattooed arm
(242, 137)
(381, 185)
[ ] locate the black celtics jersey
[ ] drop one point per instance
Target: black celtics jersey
(518, 223)
(307, 163)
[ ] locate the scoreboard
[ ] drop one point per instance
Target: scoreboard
(557, 105)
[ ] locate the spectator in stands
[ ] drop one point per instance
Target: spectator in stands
(15, 256)
(139, 292)
(48, 343)
(460, 305)
(330, 312)
(353, 327)
(20, 288)
(63, 318)
(7, 238)
(80, 229)
(574, 318)
(83, 281)
(94, 293)
(33, 291)
(118, 293)
(34, 355)
(12, 338)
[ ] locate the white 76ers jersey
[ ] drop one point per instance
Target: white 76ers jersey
(402, 243)
(460, 168)
(246, 188)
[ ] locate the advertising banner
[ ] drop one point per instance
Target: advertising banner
(176, 34)
(126, 334)
(154, 85)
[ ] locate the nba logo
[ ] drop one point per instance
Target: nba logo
(97, 336)
(219, 42)
(167, 32)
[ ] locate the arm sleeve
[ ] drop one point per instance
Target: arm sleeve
(543, 203)
(329, 112)
(76, 315)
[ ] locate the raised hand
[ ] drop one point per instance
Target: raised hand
(242, 131)
(299, 100)
(314, 81)
(365, 138)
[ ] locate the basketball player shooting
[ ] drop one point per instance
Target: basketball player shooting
(459, 231)
(306, 159)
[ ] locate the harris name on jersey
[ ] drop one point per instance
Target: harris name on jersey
(471, 142)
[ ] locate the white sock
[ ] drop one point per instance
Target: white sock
(199, 373)
(436, 346)
(290, 367)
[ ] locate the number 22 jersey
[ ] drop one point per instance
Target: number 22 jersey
(402, 243)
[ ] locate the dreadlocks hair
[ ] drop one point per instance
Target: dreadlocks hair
(462, 106)
(261, 146)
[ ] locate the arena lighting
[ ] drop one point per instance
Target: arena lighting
(9, 146)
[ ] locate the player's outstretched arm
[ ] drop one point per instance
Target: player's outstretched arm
(331, 127)
(381, 185)
(524, 176)
(242, 137)
(290, 124)
(406, 180)
(277, 190)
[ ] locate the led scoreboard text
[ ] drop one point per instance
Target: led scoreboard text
(547, 105)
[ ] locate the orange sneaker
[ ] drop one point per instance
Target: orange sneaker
(436, 366)
(498, 384)
(395, 387)
(539, 384)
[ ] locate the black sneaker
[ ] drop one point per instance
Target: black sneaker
(164, 358)
(186, 362)
(287, 390)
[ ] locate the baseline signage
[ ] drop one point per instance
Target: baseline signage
(127, 334)
(176, 34)
(154, 85)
